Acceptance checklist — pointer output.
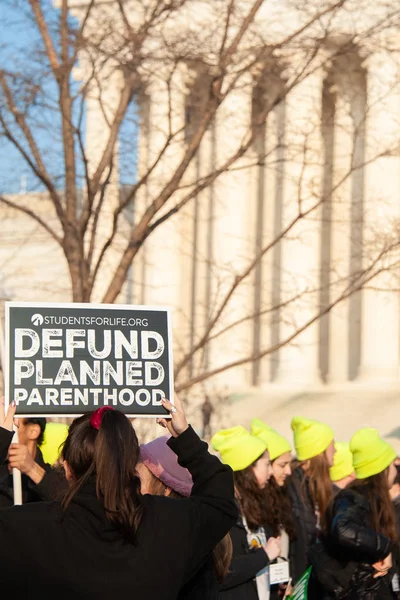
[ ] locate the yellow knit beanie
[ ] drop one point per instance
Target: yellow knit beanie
(237, 447)
(311, 438)
(342, 462)
(276, 443)
(54, 435)
(371, 454)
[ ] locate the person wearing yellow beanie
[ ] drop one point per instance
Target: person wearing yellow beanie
(361, 529)
(310, 488)
(342, 473)
(54, 436)
(276, 443)
(312, 438)
(279, 450)
(371, 454)
(248, 457)
(281, 522)
(237, 447)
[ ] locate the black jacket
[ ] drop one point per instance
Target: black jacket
(240, 584)
(80, 554)
(343, 560)
(305, 523)
(51, 486)
(203, 586)
(396, 504)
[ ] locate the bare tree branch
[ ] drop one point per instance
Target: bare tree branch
(351, 289)
(33, 215)
(46, 37)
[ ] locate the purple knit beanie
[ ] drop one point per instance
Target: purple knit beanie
(163, 463)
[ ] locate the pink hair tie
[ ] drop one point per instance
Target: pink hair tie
(97, 416)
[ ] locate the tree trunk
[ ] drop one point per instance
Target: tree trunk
(77, 266)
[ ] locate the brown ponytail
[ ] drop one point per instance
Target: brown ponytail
(109, 455)
(222, 557)
(319, 485)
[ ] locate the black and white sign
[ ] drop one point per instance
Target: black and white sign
(67, 359)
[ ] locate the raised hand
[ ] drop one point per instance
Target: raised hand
(177, 424)
(7, 420)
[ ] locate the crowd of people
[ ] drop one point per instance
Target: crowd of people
(329, 507)
(170, 520)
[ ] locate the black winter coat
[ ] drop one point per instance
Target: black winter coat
(240, 583)
(396, 504)
(204, 585)
(305, 523)
(80, 554)
(343, 561)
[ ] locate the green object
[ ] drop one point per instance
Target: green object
(311, 438)
(55, 434)
(237, 447)
(301, 587)
(371, 454)
(276, 443)
(342, 462)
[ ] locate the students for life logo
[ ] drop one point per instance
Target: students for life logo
(37, 319)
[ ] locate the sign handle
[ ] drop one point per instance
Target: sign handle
(17, 479)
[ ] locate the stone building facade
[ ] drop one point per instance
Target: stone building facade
(305, 224)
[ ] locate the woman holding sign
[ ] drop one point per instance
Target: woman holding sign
(248, 577)
(106, 540)
(161, 475)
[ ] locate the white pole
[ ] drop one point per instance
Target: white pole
(17, 481)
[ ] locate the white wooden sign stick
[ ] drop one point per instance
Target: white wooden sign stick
(17, 481)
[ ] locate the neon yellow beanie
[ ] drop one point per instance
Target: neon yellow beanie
(276, 443)
(342, 462)
(54, 435)
(371, 454)
(311, 438)
(237, 447)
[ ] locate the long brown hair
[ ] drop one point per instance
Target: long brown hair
(279, 509)
(376, 490)
(110, 455)
(222, 553)
(319, 484)
(157, 487)
(222, 557)
(251, 498)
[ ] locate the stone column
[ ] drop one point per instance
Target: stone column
(101, 105)
(266, 200)
(160, 277)
(298, 358)
(145, 150)
(233, 240)
(380, 316)
(340, 237)
(344, 110)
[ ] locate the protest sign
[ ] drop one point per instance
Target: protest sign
(300, 589)
(67, 359)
